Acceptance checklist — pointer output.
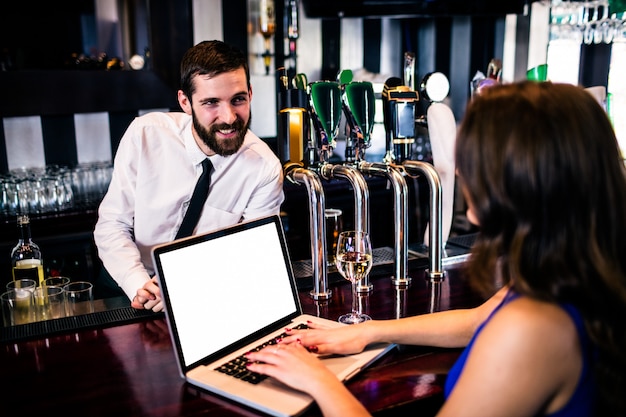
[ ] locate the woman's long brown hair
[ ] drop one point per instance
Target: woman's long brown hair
(542, 168)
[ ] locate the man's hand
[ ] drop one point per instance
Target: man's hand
(148, 297)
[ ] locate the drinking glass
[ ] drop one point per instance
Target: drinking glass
(354, 261)
(78, 298)
(334, 225)
(22, 284)
(57, 281)
(49, 302)
(17, 307)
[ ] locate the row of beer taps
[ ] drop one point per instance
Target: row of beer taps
(309, 120)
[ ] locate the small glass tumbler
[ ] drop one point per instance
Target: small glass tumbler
(17, 307)
(56, 281)
(78, 298)
(22, 284)
(49, 302)
(334, 226)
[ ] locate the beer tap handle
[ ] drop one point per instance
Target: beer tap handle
(345, 77)
(325, 99)
(353, 132)
(282, 79)
(300, 82)
(390, 84)
(360, 100)
(402, 103)
(409, 70)
(319, 128)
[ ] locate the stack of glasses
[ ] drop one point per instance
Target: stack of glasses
(53, 188)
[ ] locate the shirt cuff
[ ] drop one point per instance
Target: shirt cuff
(134, 282)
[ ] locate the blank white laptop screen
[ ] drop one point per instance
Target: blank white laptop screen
(224, 289)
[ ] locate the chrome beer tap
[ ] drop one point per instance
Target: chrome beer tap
(435, 246)
(359, 109)
(400, 210)
(297, 174)
(293, 143)
(325, 102)
(399, 105)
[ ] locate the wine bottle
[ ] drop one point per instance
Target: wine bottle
(26, 257)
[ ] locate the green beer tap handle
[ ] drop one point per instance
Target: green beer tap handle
(326, 103)
(362, 103)
(345, 76)
(300, 81)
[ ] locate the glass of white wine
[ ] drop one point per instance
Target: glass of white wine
(354, 262)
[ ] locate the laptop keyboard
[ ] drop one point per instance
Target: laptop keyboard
(237, 367)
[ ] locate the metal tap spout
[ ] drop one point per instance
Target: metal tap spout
(361, 200)
(400, 210)
(295, 173)
(435, 244)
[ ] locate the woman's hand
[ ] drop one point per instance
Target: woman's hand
(320, 339)
(294, 365)
(291, 364)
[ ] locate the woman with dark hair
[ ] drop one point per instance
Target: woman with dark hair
(542, 174)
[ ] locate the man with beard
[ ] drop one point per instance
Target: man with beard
(160, 159)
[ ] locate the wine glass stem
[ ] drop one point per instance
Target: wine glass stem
(356, 310)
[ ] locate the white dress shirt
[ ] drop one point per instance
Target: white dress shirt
(155, 171)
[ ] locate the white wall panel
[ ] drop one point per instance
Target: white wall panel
(351, 52)
(93, 137)
(390, 55)
(539, 34)
(207, 20)
(310, 47)
(24, 142)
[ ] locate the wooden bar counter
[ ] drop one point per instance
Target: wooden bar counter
(128, 369)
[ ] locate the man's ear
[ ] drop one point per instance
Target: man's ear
(184, 102)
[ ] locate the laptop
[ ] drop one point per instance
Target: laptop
(229, 291)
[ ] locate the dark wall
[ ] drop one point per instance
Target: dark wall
(43, 35)
(43, 79)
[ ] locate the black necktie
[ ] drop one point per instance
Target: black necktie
(197, 201)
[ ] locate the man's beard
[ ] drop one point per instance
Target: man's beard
(222, 147)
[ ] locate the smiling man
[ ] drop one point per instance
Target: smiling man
(162, 156)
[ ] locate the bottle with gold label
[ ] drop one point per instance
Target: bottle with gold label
(26, 257)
